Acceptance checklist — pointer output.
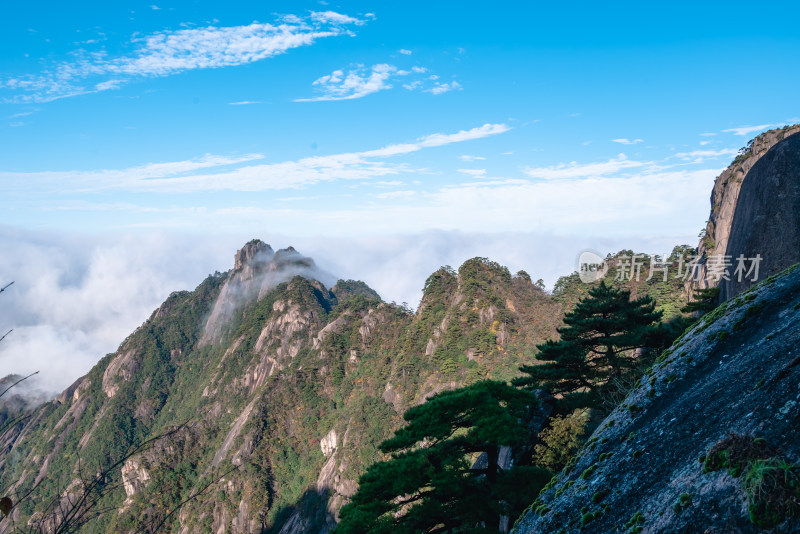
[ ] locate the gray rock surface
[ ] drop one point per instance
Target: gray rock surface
(767, 217)
(737, 370)
(725, 197)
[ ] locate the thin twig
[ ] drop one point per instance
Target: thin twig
(18, 381)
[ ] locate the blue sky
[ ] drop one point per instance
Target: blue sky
(350, 118)
(142, 143)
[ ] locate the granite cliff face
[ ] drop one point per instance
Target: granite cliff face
(725, 200)
(767, 217)
(650, 465)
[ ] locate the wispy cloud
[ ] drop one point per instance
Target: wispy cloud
(473, 172)
(405, 52)
(582, 170)
(745, 130)
(441, 88)
(21, 114)
(467, 157)
(359, 81)
(625, 141)
(698, 156)
(171, 52)
(397, 194)
(181, 176)
(244, 103)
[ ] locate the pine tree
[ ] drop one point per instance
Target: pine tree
(431, 483)
(705, 300)
(597, 346)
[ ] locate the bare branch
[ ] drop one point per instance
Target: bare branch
(18, 381)
(4, 335)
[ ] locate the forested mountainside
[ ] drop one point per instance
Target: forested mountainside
(270, 392)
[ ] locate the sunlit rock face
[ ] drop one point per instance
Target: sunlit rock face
(767, 218)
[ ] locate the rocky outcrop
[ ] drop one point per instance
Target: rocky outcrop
(257, 270)
(725, 202)
(121, 368)
(134, 476)
(329, 443)
(736, 372)
(766, 223)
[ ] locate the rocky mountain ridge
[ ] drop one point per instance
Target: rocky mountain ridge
(271, 381)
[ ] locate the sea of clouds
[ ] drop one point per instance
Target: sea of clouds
(76, 297)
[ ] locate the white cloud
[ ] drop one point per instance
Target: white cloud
(441, 88)
(642, 204)
(397, 194)
(244, 103)
(21, 114)
(171, 52)
(473, 172)
(698, 156)
(405, 52)
(586, 170)
(331, 17)
(467, 157)
(745, 130)
(109, 84)
(624, 141)
(179, 177)
(359, 81)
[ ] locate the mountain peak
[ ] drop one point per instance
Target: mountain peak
(253, 250)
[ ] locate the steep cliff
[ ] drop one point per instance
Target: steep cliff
(725, 200)
(707, 442)
(767, 218)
